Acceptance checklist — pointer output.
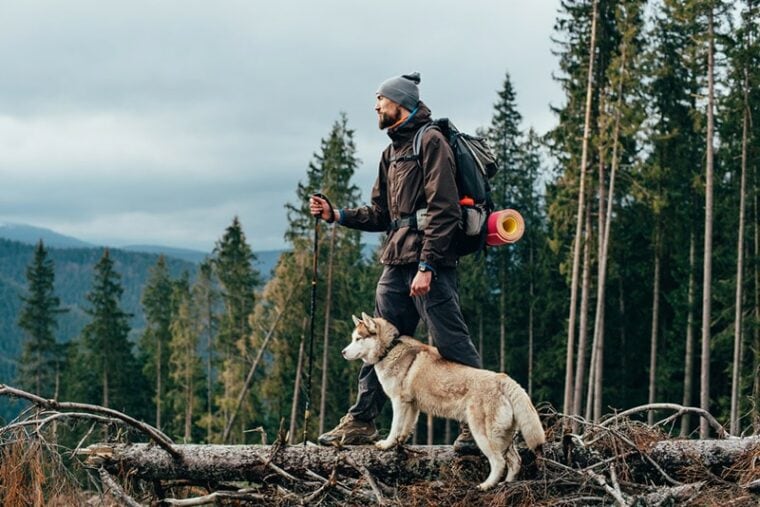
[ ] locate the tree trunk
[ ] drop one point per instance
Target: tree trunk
(604, 242)
(756, 364)
(704, 390)
(502, 314)
(480, 333)
(297, 385)
(655, 320)
(531, 305)
(209, 380)
(159, 393)
(580, 360)
(688, 374)
(213, 463)
(105, 386)
(568, 403)
(738, 302)
(189, 404)
(326, 336)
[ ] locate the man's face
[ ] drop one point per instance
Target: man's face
(388, 112)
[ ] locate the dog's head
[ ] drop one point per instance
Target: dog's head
(370, 340)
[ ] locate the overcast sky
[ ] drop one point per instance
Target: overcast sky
(156, 122)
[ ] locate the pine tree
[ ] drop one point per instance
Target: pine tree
(233, 262)
(185, 368)
(39, 359)
(206, 301)
(156, 301)
(340, 266)
(105, 366)
(505, 136)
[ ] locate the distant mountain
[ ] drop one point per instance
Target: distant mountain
(32, 235)
(186, 254)
(266, 260)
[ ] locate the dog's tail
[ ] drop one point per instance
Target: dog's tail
(525, 414)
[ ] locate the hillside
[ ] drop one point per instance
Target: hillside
(74, 272)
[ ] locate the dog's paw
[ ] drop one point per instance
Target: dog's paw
(384, 445)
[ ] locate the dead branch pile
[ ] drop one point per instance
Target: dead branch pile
(617, 462)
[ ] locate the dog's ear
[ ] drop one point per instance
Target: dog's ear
(370, 323)
(356, 320)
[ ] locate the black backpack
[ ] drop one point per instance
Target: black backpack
(475, 165)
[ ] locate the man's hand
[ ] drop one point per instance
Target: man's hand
(421, 283)
(321, 208)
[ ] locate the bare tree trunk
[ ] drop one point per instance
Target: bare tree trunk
(158, 382)
(250, 463)
(655, 320)
(209, 380)
(738, 303)
(623, 335)
(326, 336)
(532, 297)
(188, 403)
(756, 364)
(105, 386)
(502, 315)
(688, 373)
(704, 391)
(604, 240)
(297, 384)
(580, 360)
(480, 333)
(568, 401)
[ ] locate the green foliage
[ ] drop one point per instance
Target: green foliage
(102, 370)
(40, 359)
(154, 342)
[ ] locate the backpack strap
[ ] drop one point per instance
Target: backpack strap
(417, 141)
(416, 145)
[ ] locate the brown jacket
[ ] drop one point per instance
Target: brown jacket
(402, 187)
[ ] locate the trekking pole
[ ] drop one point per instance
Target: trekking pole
(312, 313)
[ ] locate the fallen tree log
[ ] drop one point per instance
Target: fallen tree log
(256, 463)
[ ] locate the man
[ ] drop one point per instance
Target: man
(419, 275)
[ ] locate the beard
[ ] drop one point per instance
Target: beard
(385, 120)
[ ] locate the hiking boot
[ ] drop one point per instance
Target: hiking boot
(465, 444)
(351, 431)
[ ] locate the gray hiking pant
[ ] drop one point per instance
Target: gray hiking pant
(440, 310)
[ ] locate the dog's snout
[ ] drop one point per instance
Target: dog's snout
(344, 353)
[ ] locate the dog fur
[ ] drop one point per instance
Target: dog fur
(416, 378)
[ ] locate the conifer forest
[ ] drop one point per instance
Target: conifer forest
(635, 284)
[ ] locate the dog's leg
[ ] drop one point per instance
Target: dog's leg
(400, 410)
(411, 415)
(513, 459)
(492, 450)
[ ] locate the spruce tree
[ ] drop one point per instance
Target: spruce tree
(105, 366)
(505, 137)
(38, 367)
(185, 367)
(340, 291)
(206, 303)
(233, 263)
(157, 305)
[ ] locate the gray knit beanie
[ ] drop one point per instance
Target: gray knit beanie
(402, 90)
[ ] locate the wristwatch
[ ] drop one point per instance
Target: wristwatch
(424, 267)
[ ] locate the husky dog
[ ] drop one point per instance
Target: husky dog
(416, 378)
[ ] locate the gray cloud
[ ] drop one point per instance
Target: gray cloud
(136, 122)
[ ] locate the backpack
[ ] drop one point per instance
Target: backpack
(475, 165)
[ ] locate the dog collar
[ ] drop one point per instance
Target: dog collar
(392, 344)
